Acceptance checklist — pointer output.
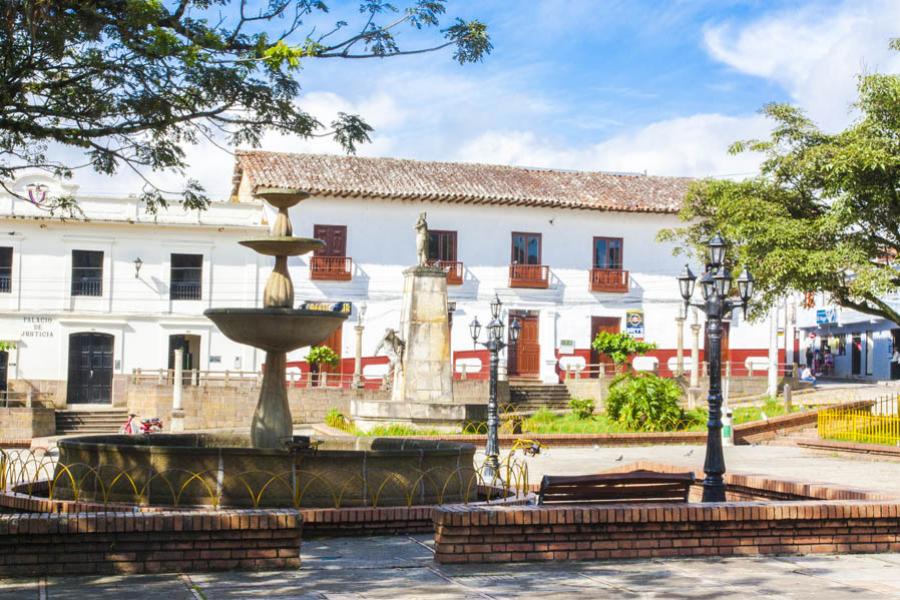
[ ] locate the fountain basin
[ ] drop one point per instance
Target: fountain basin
(280, 197)
(224, 470)
(283, 246)
(275, 329)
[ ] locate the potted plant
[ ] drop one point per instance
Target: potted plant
(318, 356)
(619, 347)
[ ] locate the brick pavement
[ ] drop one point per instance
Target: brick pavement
(401, 567)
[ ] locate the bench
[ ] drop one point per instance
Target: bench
(632, 487)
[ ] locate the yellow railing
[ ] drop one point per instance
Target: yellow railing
(879, 424)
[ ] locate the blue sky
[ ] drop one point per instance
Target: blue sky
(657, 86)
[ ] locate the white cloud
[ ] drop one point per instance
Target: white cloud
(691, 146)
(813, 53)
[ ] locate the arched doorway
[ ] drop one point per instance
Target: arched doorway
(90, 368)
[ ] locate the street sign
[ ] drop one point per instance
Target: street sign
(634, 323)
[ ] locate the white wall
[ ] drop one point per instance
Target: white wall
(39, 313)
(381, 241)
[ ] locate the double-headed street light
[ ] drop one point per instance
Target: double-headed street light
(715, 286)
(494, 344)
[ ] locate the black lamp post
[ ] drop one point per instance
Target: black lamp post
(715, 286)
(494, 344)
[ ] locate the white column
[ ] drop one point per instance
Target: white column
(357, 358)
(695, 362)
(679, 343)
(772, 386)
(177, 415)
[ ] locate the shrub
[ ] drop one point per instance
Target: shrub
(335, 418)
(619, 346)
(583, 408)
(645, 402)
(322, 355)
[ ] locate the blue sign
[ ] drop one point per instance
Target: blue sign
(826, 316)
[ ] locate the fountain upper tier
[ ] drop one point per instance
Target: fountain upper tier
(283, 246)
(275, 329)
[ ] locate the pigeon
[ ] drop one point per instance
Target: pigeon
(689, 452)
(621, 456)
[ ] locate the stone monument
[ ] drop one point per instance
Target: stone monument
(421, 375)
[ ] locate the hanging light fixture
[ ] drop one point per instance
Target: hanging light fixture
(716, 250)
(686, 282)
(138, 263)
(514, 329)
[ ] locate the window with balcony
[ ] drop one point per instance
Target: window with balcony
(6, 255)
(331, 263)
(607, 274)
(186, 277)
(526, 269)
(87, 273)
(442, 253)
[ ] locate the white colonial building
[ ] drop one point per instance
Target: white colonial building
(85, 299)
(568, 253)
(84, 302)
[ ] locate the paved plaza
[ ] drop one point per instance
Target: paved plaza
(402, 567)
(777, 462)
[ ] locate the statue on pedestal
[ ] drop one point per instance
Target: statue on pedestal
(393, 349)
(422, 240)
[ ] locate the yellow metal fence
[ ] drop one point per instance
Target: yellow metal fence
(878, 424)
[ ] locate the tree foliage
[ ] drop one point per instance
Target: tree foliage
(130, 83)
(619, 346)
(645, 402)
(823, 214)
(322, 355)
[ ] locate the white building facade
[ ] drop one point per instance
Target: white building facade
(568, 253)
(86, 300)
(861, 346)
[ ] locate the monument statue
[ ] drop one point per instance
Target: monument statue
(393, 348)
(422, 240)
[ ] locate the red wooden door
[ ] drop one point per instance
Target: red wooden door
(598, 324)
(525, 356)
(335, 238)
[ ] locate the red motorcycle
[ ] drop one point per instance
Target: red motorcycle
(146, 426)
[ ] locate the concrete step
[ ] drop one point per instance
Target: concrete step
(83, 421)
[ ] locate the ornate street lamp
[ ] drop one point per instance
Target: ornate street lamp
(138, 263)
(715, 286)
(494, 344)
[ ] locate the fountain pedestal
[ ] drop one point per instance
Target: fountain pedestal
(276, 328)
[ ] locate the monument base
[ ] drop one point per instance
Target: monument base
(367, 414)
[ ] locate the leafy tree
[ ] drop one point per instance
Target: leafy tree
(645, 402)
(130, 83)
(620, 346)
(823, 214)
(322, 355)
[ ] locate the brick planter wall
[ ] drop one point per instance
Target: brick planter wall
(542, 533)
(159, 542)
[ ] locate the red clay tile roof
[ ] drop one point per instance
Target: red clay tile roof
(352, 176)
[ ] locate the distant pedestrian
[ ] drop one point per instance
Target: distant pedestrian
(809, 355)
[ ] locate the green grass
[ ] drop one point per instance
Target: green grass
(546, 421)
(397, 430)
(771, 408)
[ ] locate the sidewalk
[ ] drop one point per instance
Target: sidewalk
(401, 567)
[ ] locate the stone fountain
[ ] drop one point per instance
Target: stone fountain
(270, 468)
(277, 327)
